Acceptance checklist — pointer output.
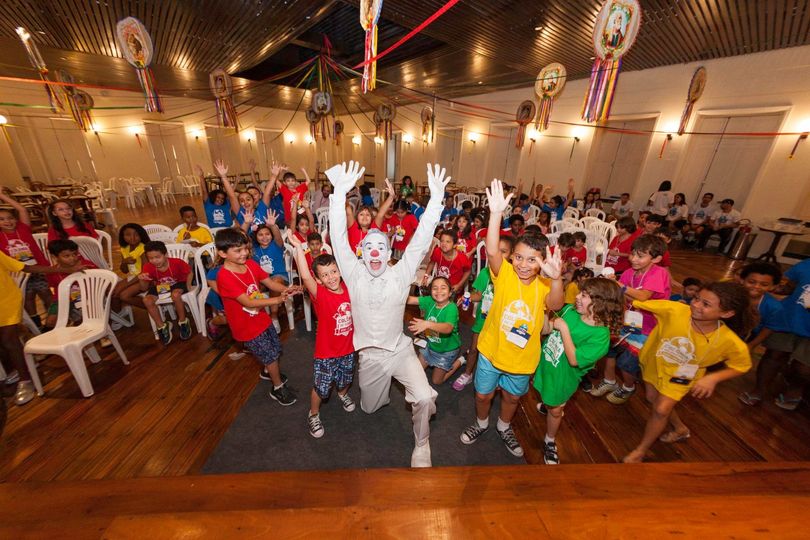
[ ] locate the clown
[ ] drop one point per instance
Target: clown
(379, 293)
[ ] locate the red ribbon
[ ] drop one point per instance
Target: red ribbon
(410, 34)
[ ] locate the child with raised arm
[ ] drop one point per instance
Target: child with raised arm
(439, 327)
(686, 341)
(238, 284)
(165, 277)
(334, 337)
(268, 252)
(215, 203)
(291, 189)
(509, 345)
(580, 338)
(249, 212)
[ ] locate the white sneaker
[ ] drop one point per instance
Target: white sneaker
(421, 456)
(236, 355)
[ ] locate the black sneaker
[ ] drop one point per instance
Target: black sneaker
(471, 434)
(550, 456)
(511, 442)
(165, 333)
(185, 329)
(585, 384)
(541, 408)
(283, 396)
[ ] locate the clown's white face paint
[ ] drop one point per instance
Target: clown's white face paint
(376, 252)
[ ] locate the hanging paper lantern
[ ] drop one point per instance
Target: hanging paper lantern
(548, 85)
(222, 88)
(39, 64)
(322, 107)
(696, 88)
(314, 119)
(384, 120)
(136, 44)
(428, 119)
(78, 103)
(338, 129)
(614, 33)
(524, 116)
(369, 15)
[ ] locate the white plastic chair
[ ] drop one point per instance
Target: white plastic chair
(375, 196)
(42, 242)
(322, 218)
(184, 252)
(210, 250)
(587, 221)
(215, 230)
(21, 279)
(106, 246)
(571, 213)
(459, 198)
(595, 212)
(597, 247)
(155, 228)
(192, 187)
(533, 214)
(203, 225)
(69, 342)
(603, 229)
(552, 238)
(91, 249)
(165, 237)
(292, 271)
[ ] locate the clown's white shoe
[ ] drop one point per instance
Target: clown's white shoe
(421, 456)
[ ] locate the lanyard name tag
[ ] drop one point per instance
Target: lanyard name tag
(254, 295)
(486, 303)
(633, 318)
(164, 290)
(519, 336)
(687, 371)
(421, 343)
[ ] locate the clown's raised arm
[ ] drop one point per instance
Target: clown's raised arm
(422, 238)
(343, 177)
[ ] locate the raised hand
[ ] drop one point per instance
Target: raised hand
(276, 168)
(198, 170)
(552, 265)
(293, 240)
(248, 216)
(570, 184)
(344, 176)
(497, 201)
(271, 218)
(221, 168)
(437, 182)
(305, 202)
(389, 188)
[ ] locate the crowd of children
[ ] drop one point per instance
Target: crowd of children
(542, 319)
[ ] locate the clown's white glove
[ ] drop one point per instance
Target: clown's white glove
(437, 183)
(343, 177)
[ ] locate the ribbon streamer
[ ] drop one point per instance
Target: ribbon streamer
(39, 64)
(222, 88)
(136, 45)
(369, 16)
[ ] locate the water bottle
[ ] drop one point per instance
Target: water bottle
(465, 302)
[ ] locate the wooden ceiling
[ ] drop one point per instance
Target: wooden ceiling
(477, 46)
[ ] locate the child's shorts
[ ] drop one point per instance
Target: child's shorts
(177, 286)
(627, 361)
(797, 346)
(266, 347)
(488, 378)
(441, 360)
(338, 370)
(37, 283)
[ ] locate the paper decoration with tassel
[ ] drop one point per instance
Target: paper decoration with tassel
(78, 103)
(136, 45)
(550, 82)
(321, 106)
(524, 116)
(338, 129)
(222, 88)
(369, 16)
(428, 118)
(696, 87)
(385, 114)
(614, 33)
(38, 63)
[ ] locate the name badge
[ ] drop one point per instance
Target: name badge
(687, 371)
(421, 343)
(519, 336)
(633, 319)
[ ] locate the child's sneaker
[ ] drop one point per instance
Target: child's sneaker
(461, 381)
(185, 329)
(620, 395)
(550, 456)
(315, 425)
(213, 330)
(237, 355)
(13, 378)
(511, 442)
(603, 388)
(165, 333)
(541, 408)
(283, 396)
(471, 434)
(347, 401)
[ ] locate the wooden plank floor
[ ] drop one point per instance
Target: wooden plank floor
(731, 500)
(165, 413)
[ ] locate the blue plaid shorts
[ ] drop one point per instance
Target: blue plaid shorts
(339, 370)
(266, 347)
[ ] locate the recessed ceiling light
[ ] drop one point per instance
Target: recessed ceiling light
(538, 28)
(480, 82)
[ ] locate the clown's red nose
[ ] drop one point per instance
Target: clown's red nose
(375, 253)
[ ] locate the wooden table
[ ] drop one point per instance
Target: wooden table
(778, 229)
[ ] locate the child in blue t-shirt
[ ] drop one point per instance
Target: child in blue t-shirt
(268, 252)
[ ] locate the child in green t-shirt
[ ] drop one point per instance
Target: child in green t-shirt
(440, 330)
(483, 292)
(580, 337)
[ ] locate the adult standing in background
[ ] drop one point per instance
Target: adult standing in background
(661, 200)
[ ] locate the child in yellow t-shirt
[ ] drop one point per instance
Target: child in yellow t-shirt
(191, 232)
(687, 340)
(572, 289)
(509, 344)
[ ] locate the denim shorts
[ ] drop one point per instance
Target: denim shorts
(627, 361)
(488, 378)
(266, 347)
(441, 360)
(339, 370)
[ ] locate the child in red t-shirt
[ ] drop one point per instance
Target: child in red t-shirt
(334, 346)
(239, 285)
(290, 189)
(68, 260)
(314, 247)
(65, 223)
(577, 255)
(620, 247)
(449, 262)
(401, 226)
(165, 277)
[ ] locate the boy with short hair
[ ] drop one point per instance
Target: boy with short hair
(645, 280)
(165, 277)
(191, 232)
(290, 189)
(577, 255)
(238, 284)
(449, 210)
(622, 208)
(509, 346)
(449, 262)
(722, 223)
(699, 216)
(67, 259)
(314, 247)
(334, 346)
(691, 286)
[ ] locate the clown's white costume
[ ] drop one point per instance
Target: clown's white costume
(379, 293)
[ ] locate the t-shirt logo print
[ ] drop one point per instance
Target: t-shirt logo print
(553, 348)
(343, 319)
(514, 312)
(804, 298)
(677, 350)
(218, 215)
(443, 271)
(266, 263)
